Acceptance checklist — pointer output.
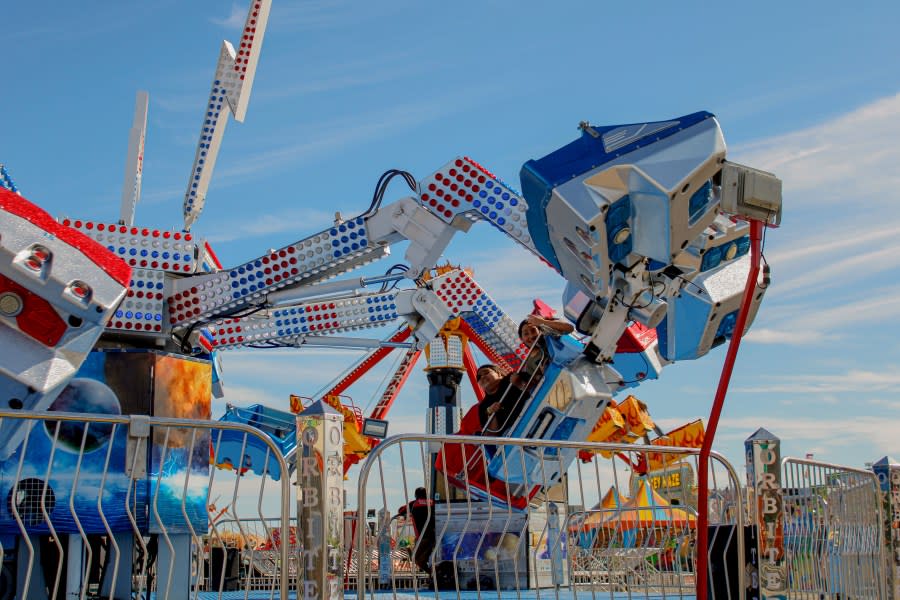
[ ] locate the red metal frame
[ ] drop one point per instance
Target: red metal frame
(756, 228)
(396, 384)
(489, 352)
(367, 363)
(472, 372)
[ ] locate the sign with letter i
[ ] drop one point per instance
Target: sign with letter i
(764, 472)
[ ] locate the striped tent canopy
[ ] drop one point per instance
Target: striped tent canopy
(612, 499)
(647, 509)
(607, 506)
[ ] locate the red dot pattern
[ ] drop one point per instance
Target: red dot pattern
(454, 188)
(459, 292)
(122, 229)
(242, 60)
(139, 237)
(229, 332)
(320, 317)
(280, 268)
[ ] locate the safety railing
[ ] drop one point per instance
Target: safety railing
(107, 506)
(833, 531)
(503, 516)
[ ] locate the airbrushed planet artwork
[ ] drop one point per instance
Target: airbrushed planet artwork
(83, 395)
(113, 383)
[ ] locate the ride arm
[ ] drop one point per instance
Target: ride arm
(425, 310)
(229, 95)
(296, 271)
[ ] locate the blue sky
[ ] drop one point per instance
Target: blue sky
(347, 90)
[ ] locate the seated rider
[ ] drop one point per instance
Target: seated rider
(502, 403)
(500, 406)
(533, 326)
(532, 332)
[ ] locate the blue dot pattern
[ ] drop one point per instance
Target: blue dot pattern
(462, 187)
(465, 298)
(336, 250)
(289, 325)
(6, 180)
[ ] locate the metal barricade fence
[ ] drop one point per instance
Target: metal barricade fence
(108, 506)
(503, 518)
(261, 559)
(833, 531)
(112, 506)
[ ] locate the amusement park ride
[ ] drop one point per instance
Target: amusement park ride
(648, 224)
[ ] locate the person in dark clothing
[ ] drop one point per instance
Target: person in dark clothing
(502, 399)
(421, 511)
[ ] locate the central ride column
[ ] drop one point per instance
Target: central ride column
(445, 370)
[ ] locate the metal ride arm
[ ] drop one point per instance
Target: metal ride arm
(425, 309)
(230, 94)
(642, 237)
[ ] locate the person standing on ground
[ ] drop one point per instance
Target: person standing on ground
(421, 511)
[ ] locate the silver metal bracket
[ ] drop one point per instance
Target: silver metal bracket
(136, 448)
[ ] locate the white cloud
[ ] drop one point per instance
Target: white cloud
(833, 257)
(813, 246)
(891, 404)
(832, 436)
(820, 318)
(324, 14)
(842, 269)
(266, 224)
(235, 19)
(330, 137)
(365, 71)
(794, 337)
(851, 156)
(851, 381)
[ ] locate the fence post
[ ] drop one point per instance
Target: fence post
(763, 451)
(320, 502)
(888, 472)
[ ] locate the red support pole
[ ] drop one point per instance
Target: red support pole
(472, 372)
(756, 228)
(367, 362)
(395, 385)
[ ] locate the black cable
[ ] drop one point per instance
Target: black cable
(184, 340)
(269, 345)
(700, 290)
(767, 279)
(389, 285)
(653, 296)
(381, 187)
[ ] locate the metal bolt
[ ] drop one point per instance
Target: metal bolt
(10, 304)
